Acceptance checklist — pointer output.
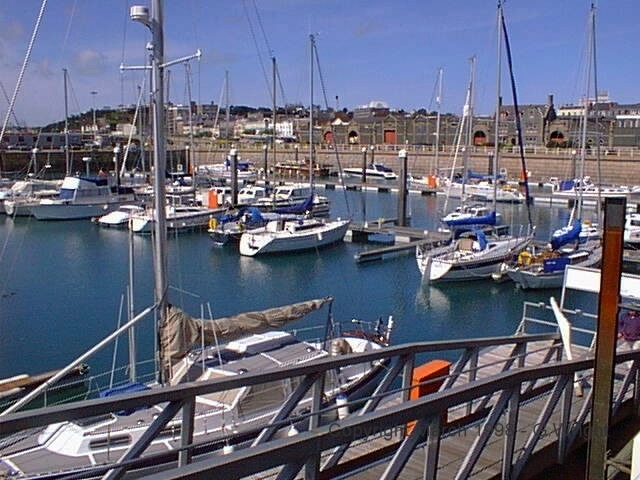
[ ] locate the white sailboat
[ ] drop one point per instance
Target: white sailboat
(292, 235)
(479, 251)
(578, 243)
(190, 350)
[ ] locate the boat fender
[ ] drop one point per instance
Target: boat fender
(524, 258)
(342, 403)
(213, 223)
(339, 346)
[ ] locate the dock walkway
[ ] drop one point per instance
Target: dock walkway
(400, 239)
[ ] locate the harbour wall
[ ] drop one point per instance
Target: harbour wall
(617, 167)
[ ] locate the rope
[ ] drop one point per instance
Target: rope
(22, 70)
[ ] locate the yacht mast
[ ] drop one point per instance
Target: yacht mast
(585, 118)
(496, 136)
(439, 106)
(154, 22)
(311, 163)
(468, 113)
(67, 160)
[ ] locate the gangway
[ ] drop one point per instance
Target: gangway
(508, 408)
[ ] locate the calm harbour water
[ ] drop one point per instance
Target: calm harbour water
(63, 284)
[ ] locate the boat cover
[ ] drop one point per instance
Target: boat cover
(298, 208)
(488, 219)
(566, 235)
(180, 331)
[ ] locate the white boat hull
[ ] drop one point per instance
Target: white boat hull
(450, 263)
(182, 218)
(534, 277)
(72, 211)
(270, 239)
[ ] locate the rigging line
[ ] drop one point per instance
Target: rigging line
(281, 86)
(333, 135)
(6, 97)
(126, 21)
(260, 24)
(269, 50)
(514, 93)
(21, 74)
(68, 31)
(255, 42)
(208, 157)
(136, 113)
(434, 96)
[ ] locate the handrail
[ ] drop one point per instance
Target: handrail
(58, 413)
(293, 452)
(430, 406)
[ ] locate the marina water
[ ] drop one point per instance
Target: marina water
(64, 284)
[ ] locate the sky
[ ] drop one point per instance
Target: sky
(368, 50)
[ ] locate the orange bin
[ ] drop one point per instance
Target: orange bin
(213, 198)
(428, 378)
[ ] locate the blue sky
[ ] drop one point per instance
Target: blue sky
(368, 50)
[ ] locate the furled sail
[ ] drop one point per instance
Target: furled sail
(181, 331)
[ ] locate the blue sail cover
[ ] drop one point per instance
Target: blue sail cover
(481, 238)
(254, 215)
(566, 235)
(299, 208)
(488, 219)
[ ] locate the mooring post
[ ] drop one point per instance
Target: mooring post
(233, 157)
(402, 196)
(364, 164)
(612, 242)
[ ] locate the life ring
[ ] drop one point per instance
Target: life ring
(213, 223)
(524, 258)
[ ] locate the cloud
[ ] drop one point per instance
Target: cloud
(11, 33)
(367, 28)
(90, 62)
(43, 69)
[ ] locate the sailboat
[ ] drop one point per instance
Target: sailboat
(291, 235)
(479, 251)
(578, 243)
(192, 350)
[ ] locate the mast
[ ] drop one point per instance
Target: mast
(154, 22)
(585, 115)
(160, 164)
(496, 135)
(516, 109)
(468, 113)
(439, 106)
(227, 117)
(595, 109)
(66, 126)
(275, 113)
(313, 44)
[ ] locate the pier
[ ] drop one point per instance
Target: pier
(386, 230)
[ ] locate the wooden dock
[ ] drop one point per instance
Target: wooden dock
(398, 239)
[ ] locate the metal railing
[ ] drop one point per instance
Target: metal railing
(476, 392)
